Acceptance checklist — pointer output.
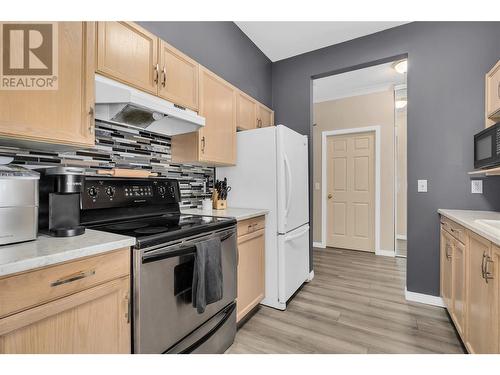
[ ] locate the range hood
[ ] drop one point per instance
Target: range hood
(121, 104)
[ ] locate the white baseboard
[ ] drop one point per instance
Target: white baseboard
(401, 237)
(319, 245)
(311, 277)
(386, 253)
(424, 298)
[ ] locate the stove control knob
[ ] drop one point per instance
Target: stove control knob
(110, 191)
(93, 191)
(162, 190)
(171, 191)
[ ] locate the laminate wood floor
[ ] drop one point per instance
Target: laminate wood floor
(355, 304)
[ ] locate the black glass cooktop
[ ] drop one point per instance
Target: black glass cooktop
(154, 230)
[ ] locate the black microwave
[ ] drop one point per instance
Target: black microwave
(487, 147)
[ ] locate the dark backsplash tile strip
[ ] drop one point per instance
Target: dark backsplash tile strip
(123, 147)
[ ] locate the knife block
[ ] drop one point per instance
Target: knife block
(218, 204)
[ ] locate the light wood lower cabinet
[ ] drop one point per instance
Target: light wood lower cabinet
(470, 287)
(458, 286)
(83, 307)
(446, 263)
(63, 117)
(251, 266)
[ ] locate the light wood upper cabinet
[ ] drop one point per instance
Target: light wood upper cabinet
(218, 106)
(251, 265)
(458, 286)
(47, 118)
(446, 264)
(215, 143)
(246, 118)
(128, 53)
(492, 92)
(178, 77)
(480, 293)
(265, 117)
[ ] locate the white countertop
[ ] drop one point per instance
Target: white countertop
(468, 219)
(237, 213)
(46, 250)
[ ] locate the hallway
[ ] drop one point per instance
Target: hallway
(355, 304)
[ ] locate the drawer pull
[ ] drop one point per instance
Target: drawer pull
(487, 274)
(75, 277)
(448, 256)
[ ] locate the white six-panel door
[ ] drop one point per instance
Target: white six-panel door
(351, 191)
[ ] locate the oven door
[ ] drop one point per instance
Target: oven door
(487, 147)
(163, 311)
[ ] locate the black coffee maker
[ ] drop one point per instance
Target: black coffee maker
(59, 210)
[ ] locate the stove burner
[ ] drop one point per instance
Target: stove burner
(126, 226)
(151, 230)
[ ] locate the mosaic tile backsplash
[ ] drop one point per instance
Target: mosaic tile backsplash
(123, 147)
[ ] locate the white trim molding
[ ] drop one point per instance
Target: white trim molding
(424, 298)
(401, 237)
(324, 136)
(319, 245)
(385, 253)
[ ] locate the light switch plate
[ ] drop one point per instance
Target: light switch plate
(422, 186)
(476, 186)
(316, 185)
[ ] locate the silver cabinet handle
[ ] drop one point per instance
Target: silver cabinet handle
(71, 278)
(483, 266)
(498, 90)
(203, 144)
(91, 120)
(448, 256)
(156, 73)
(164, 72)
(487, 274)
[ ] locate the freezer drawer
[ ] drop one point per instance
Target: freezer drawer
(293, 250)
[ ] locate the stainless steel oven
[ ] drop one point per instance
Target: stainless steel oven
(164, 318)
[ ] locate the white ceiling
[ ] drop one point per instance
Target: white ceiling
(357, 82)
(280, 40)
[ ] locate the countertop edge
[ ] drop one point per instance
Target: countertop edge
(253, 212)
(450, 214)
(31, 264)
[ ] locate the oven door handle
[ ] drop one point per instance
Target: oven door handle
(191, 249)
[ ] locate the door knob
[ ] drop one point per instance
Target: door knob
(330, 196)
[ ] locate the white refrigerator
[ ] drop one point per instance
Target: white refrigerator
(272, 173)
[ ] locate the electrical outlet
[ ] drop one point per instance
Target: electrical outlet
(316, 185)
(422, 186)
(476, 186)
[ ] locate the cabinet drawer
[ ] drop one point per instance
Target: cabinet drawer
(454, 229)
(22, 291)
(251, 225)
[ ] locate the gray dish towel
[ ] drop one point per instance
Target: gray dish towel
(207, 274)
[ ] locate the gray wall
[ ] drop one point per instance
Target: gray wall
(447, 63)
(224, 49)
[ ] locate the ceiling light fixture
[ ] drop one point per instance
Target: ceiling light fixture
(401, 66)
(400, 104)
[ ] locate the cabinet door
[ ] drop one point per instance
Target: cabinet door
(128, 53)
(218, 106)
(493, 92)
(251, 286)
(265, 117)
(446, 268)
(62, 116)
(246, 118)
(92, 321)
(458, 286)
(178, 77)
(479, 298)
(492, 269)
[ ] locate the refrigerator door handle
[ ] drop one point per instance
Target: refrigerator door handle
(297, 235)
(288, 184)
